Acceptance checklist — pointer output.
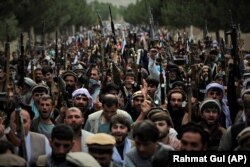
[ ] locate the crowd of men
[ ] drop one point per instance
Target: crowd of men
(121, 101)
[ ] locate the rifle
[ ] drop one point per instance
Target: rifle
(117, 79)
(64, 92)
(100, 23)
(19, 119)
(64, 54)
(151, 23)
(162, 82)
(58, 79)
(7, 55)
(234, 73)
(112, 26)
(57, 62)
(206, 38)
(189, 86)
(139, 66)
(43, 38)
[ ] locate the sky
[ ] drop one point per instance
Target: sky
(116, 2)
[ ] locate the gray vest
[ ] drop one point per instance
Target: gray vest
(37, 147)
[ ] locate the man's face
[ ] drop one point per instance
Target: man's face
(60, 148)
(205, 74)
(94, 74)
(26, 121)
(137, 102)
(48, 77)
(120, 132)
(145, 148)
(75, 119)
(191, 141)
(215, 94)
(163, 128)
(36, 96)
(108, 112)
(151, 89)
(81, 102)
(38, 75)
(129, 81)
(220, 80)
(103, 158)
(176, 100)
(210, 115)
(70, 82)
(45, 108)
(172, 75)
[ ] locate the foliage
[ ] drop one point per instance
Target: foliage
(182, 13)
(21, 15)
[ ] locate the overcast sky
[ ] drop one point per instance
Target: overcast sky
(116, 2)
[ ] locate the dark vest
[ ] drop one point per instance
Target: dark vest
(235, 130)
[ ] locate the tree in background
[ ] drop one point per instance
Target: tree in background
(182, 13)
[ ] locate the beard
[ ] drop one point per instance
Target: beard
(70, 89)
(38, 79)
(76, 127)
(83, 108)
(119, 138)
(162, 135)
(58, 157)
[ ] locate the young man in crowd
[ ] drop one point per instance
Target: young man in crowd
(61, 143)
(193, 137)
(210, 112)
(164, 123)
(120, 128)
(146, 136)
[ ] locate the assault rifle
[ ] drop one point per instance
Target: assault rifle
(139, 72)
(112, 26)
(43, 38)
(233, 72)
(57, 61)
(19, 119)
(101, 24)
(151, 24)
(7, 55)
(162, 82)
